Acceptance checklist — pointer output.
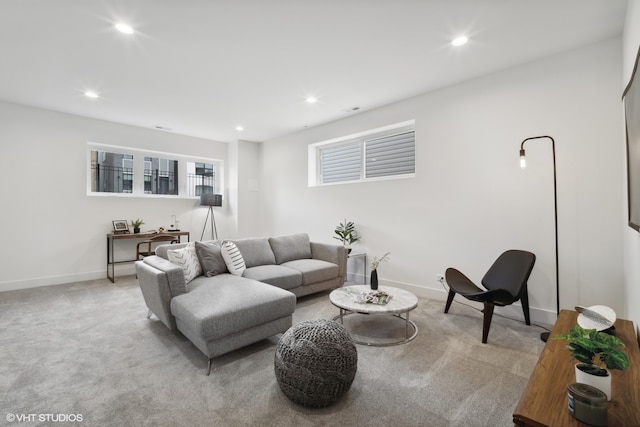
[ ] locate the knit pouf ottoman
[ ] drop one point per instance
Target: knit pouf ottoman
(316, 362)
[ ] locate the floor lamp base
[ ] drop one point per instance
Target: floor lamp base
(545, 336)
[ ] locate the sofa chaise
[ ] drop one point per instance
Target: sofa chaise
(224, 295)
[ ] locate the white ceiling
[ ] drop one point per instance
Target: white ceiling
(202, 67)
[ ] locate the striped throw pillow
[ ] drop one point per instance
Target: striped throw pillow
(187, 259)
(233, 258)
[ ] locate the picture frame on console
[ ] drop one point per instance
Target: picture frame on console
(120, 226)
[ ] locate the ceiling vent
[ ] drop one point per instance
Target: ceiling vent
(351, 109)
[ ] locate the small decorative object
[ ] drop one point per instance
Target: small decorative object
(598, 317)
(594, 349)
(136, 225)
(174, 225)
(347, 234)
(120, 226)
(587, 404)
(160, 229)
(371, 297)
(374, 269)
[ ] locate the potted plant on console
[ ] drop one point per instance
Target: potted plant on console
(136, 225)
(347, 234)
(594, 349)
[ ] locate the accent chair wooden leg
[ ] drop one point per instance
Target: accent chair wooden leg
(449, 300)
(209, 368)
(149, 313)
(486, 321)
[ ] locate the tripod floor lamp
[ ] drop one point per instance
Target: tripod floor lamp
(523, 163)
(210, 200)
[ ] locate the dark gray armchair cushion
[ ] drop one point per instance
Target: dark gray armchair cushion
(210, 258)
(291, 247)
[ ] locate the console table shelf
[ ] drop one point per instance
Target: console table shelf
(544, 400)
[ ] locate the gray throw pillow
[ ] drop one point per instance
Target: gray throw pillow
(210, 259)
(291, 247)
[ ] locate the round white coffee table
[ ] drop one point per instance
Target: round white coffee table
(402, 302)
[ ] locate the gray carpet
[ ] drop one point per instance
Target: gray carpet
(88, 349)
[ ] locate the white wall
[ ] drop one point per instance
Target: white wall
(52, 231)
(470, 200)
(631, 237)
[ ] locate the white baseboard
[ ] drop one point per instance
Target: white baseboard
(123, 270)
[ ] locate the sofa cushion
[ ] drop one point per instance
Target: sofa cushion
(228, 304)
(210, 257)
(187, 259)
(233, 258)
(161, 250)
(255, 251)
(313, 270)
(291, 247)
(276, 275)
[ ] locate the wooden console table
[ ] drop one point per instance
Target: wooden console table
(111, 238)
(544, 400)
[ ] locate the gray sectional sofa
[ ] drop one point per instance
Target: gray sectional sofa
(224, 296)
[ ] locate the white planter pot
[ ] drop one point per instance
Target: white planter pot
(601, 383)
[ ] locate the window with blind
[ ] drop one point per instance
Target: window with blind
(378, 154)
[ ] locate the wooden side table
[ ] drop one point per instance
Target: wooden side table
(544, 400)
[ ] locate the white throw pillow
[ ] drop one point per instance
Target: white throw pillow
(187, 259)
(233, 258)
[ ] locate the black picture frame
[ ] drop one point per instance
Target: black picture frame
(631, 98)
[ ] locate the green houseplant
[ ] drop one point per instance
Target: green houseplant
(346, 233)
(594, 351)
(136, 225)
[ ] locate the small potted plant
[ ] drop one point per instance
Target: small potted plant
(374, 269)
(347, 234)
(595, 350)
(136, 225)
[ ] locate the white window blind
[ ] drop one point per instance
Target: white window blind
(387, 152)
(341, 163)
(390, 155)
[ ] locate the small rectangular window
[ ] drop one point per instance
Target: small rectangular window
(201, 178)
(111, 172)
(341, 163)
(160, 176)
(391, 155)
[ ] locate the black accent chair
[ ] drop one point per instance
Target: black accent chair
(506, 283)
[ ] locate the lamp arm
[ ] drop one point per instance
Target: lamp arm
(555, 203)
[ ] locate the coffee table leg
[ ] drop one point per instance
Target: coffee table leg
(406, 325)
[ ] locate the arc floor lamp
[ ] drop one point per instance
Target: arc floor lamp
(210, 200)
(523, 163)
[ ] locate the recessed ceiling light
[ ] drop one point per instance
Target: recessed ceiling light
(124, 28)
(239, 128)
(311, 100)
(90, 94)
(459, 41)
